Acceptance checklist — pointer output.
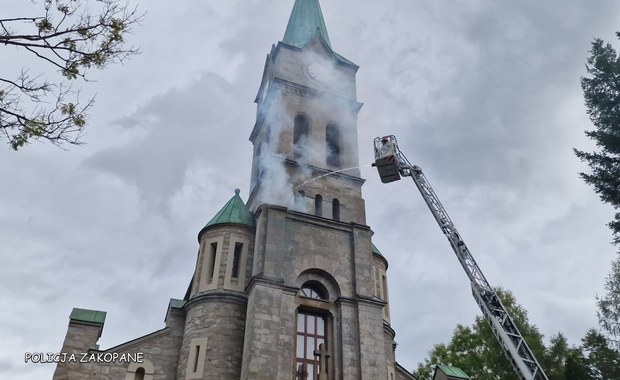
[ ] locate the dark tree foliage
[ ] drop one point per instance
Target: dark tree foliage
(475, 349)
(562, 362)
(71, 36)
(609, 306)
(601, 91)
(556, 357)
(602, 361)
(575, 366)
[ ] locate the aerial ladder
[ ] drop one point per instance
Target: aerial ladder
(392, 165)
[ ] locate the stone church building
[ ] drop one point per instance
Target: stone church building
(288, 286)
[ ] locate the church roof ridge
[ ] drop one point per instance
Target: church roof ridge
(233, 212)
(452, 372)
(306, 23)
(86, 315)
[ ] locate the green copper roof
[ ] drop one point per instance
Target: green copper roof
(453, 372)
(176, 304)
(305, 23)
(91, 316)
(375, 249)
(234, 212)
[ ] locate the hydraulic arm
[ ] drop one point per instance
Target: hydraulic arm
(392, 164)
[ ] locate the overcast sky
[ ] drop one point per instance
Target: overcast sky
(484, 95)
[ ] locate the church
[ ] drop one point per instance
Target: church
(288, 285)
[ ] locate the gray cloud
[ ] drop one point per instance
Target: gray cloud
(483, 95)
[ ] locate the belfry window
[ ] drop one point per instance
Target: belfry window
(332, 142)
(300, 135)
(300, 202)
(318, 205)
(336, 209)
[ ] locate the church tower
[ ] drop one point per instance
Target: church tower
(289, 286)
(306, 124)
(316, 278)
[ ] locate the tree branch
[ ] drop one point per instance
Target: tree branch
(76, 42)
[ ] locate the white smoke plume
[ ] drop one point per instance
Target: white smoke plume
(279, 185)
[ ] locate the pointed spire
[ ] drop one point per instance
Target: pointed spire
(233, 212)
(305, 23)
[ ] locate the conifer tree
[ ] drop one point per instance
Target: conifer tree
(601, 89)
(609, 306)
(602, 361)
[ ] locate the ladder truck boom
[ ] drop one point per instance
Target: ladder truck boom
(392, 164)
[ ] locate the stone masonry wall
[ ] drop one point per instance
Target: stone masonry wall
(220, 318)
(264, 346)
(160, 348)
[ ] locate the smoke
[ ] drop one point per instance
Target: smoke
(275, 186)
(330, 100)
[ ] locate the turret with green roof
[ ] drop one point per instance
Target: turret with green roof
(233, 212)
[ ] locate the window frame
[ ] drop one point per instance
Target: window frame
(333, 145)
(301, 132)
(336, 209)
(314, 337)
(318, 205)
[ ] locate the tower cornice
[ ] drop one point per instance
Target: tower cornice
(317, 171)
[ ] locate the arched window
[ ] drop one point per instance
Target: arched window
(316, 312)
(332, 142)
(139, 374)
(318, 205)
(300, 135)
(300, 201)
(312, 334)
(313, 291)
(140, 371)
(336, 209)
